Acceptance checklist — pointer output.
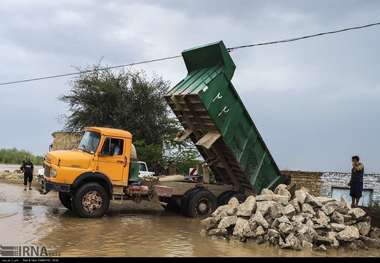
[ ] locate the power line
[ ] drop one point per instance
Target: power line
(89, 71)
(178, 56)
(304, 37)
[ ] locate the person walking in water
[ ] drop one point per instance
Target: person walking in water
(356, 182)
(27, 168)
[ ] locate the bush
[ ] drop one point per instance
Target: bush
(14, 156)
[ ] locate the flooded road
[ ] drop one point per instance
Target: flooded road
(128, 230)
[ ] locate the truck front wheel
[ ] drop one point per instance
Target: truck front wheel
(65, 199)
(201, 204)
(90, 200)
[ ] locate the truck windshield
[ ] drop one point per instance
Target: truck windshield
(89, 142)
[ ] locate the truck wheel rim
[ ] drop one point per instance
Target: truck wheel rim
(203, 206)
(92, 201)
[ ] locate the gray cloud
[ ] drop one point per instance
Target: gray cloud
(314, 101)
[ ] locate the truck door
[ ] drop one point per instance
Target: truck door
(112, 161)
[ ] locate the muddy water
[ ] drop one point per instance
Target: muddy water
(128, 230)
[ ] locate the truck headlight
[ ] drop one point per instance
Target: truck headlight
(53, 172)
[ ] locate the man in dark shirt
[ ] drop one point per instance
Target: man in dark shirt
(27, 168)
(356, 182)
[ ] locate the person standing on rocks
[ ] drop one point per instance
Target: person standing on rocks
(27, 168)
(356, 182)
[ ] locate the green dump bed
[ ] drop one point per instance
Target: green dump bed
(214, 117)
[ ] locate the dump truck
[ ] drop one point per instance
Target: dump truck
(104, 167)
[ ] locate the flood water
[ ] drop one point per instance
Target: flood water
(28, 218)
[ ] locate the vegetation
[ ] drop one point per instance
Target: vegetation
(132, 101)
(14, 156)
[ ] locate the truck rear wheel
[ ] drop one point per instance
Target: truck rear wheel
(201, 204)
(172, 205)
(91, 200)
(65, 199)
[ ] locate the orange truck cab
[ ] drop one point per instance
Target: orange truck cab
(87, 177)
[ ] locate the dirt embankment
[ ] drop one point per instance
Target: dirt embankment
(15, 177)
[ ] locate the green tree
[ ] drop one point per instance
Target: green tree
(127, 100)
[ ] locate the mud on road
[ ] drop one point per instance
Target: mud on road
(129, 229)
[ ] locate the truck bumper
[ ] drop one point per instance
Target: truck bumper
(47, 186)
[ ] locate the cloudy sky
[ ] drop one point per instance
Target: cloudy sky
(315, 102)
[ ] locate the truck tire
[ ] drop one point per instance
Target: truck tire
(226, 196)
(172, 205)
(201, 204)
(184, 208)
(91, 200)
(65, 199)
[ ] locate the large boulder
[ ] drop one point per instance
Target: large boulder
(281, 189)
(289, 210)
(310, 199)
(241, 227)
(232, 206)
(324, 200)
(260, 231)
(263, 206)
(343, 207)
(293, 242)
(350, 233)
(264, 197)
(266, 191)
(278, 221)
(273, 236)
(298, 219)
(259, 219)
(364, 227)
(322, 219)
(296, 205)
(248, 207)
(332, 237)
(300, 196)
(337, 227)
(330, 207)
(283, 244)
(227, 221)
(282, 199)
(306, 208)
(324, 240)
(220, 212)
(285, 228)
(209, 223)
(357, 213)
(337, 218)
(275, 211)
(306, 244)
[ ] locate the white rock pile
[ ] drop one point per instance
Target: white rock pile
(304, 221)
